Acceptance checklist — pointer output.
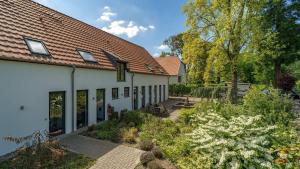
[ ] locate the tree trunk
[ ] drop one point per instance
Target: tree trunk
(277, 73)
(234, 81)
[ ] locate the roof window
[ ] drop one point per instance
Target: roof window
(87, 56)
(150, 69)
(37, 47)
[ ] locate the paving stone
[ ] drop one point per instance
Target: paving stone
(108, 155)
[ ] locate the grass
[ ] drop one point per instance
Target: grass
(68, 160)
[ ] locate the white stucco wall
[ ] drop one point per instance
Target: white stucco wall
(182, 73)
(28, 85)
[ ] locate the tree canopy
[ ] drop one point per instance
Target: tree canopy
(228, 26)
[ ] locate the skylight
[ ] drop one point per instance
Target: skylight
(36, 47)
(87, 56)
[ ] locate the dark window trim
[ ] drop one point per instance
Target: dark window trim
(128, 92)
(64, 105)
(87, 61)
(26, 39)
(113, 92)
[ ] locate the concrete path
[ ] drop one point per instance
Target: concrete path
(108, 155)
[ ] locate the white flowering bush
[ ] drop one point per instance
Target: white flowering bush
(238, 142)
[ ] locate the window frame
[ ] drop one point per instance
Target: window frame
(120, 73)
(112, 93)
(125, 94)
(179, 79)
(27, 39)
(86, 51)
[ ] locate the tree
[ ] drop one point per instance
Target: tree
(228, 25)
(279, 42)
(175, 43)
(195, 56)
(164, 54)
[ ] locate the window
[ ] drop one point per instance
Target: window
(155, 94)
(164, 93)
(115, 93)
(121, 72)
(82, 108)
(87, 56)
(56, 113)
(126, 92)
(150, 94)
(36, 47)
(179, 79)
(159, 93)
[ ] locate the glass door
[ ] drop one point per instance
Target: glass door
(143, 96)
(100, 102)
(159, 93)
(135, 98)
(150, 95)
(155, 94)
(82, 108)
(56, 113)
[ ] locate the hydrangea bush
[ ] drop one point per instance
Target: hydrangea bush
(238, 142)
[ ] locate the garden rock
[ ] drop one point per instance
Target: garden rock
(146, 157)
(157, 152)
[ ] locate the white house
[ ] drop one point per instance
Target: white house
(60, 74)
(174, 67)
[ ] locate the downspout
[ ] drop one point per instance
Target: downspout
(73, 94)
(132, 92)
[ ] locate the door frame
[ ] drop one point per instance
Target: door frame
(104, 108)
(64, 110)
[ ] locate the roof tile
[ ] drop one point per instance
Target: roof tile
(62, 35)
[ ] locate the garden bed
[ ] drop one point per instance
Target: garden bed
(57, 158)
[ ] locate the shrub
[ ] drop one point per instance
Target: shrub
(134, 118)
(146, 145)
(195, 161)
(112, 134)
(108, 130)
(129, 134)
(287, 156)
(235, 142)
(159, 130)
(297, 86)
(157, 152)
(271, 105)
(154, 165)
(146, 157)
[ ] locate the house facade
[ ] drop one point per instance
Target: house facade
(174, 67)
(59, 74)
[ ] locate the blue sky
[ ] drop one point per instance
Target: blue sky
(144, 22)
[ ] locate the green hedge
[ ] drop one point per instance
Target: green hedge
(213, 91)
(297, 87)
(179, 89)
(210, 92)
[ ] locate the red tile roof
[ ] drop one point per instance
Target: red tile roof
(62, 35)
(170, 63)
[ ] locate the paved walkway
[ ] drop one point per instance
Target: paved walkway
(108, 155)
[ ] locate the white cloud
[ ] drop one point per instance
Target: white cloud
(156, 54)
(121, 27)
(106, 15)
(162, 47)
(151, 26)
